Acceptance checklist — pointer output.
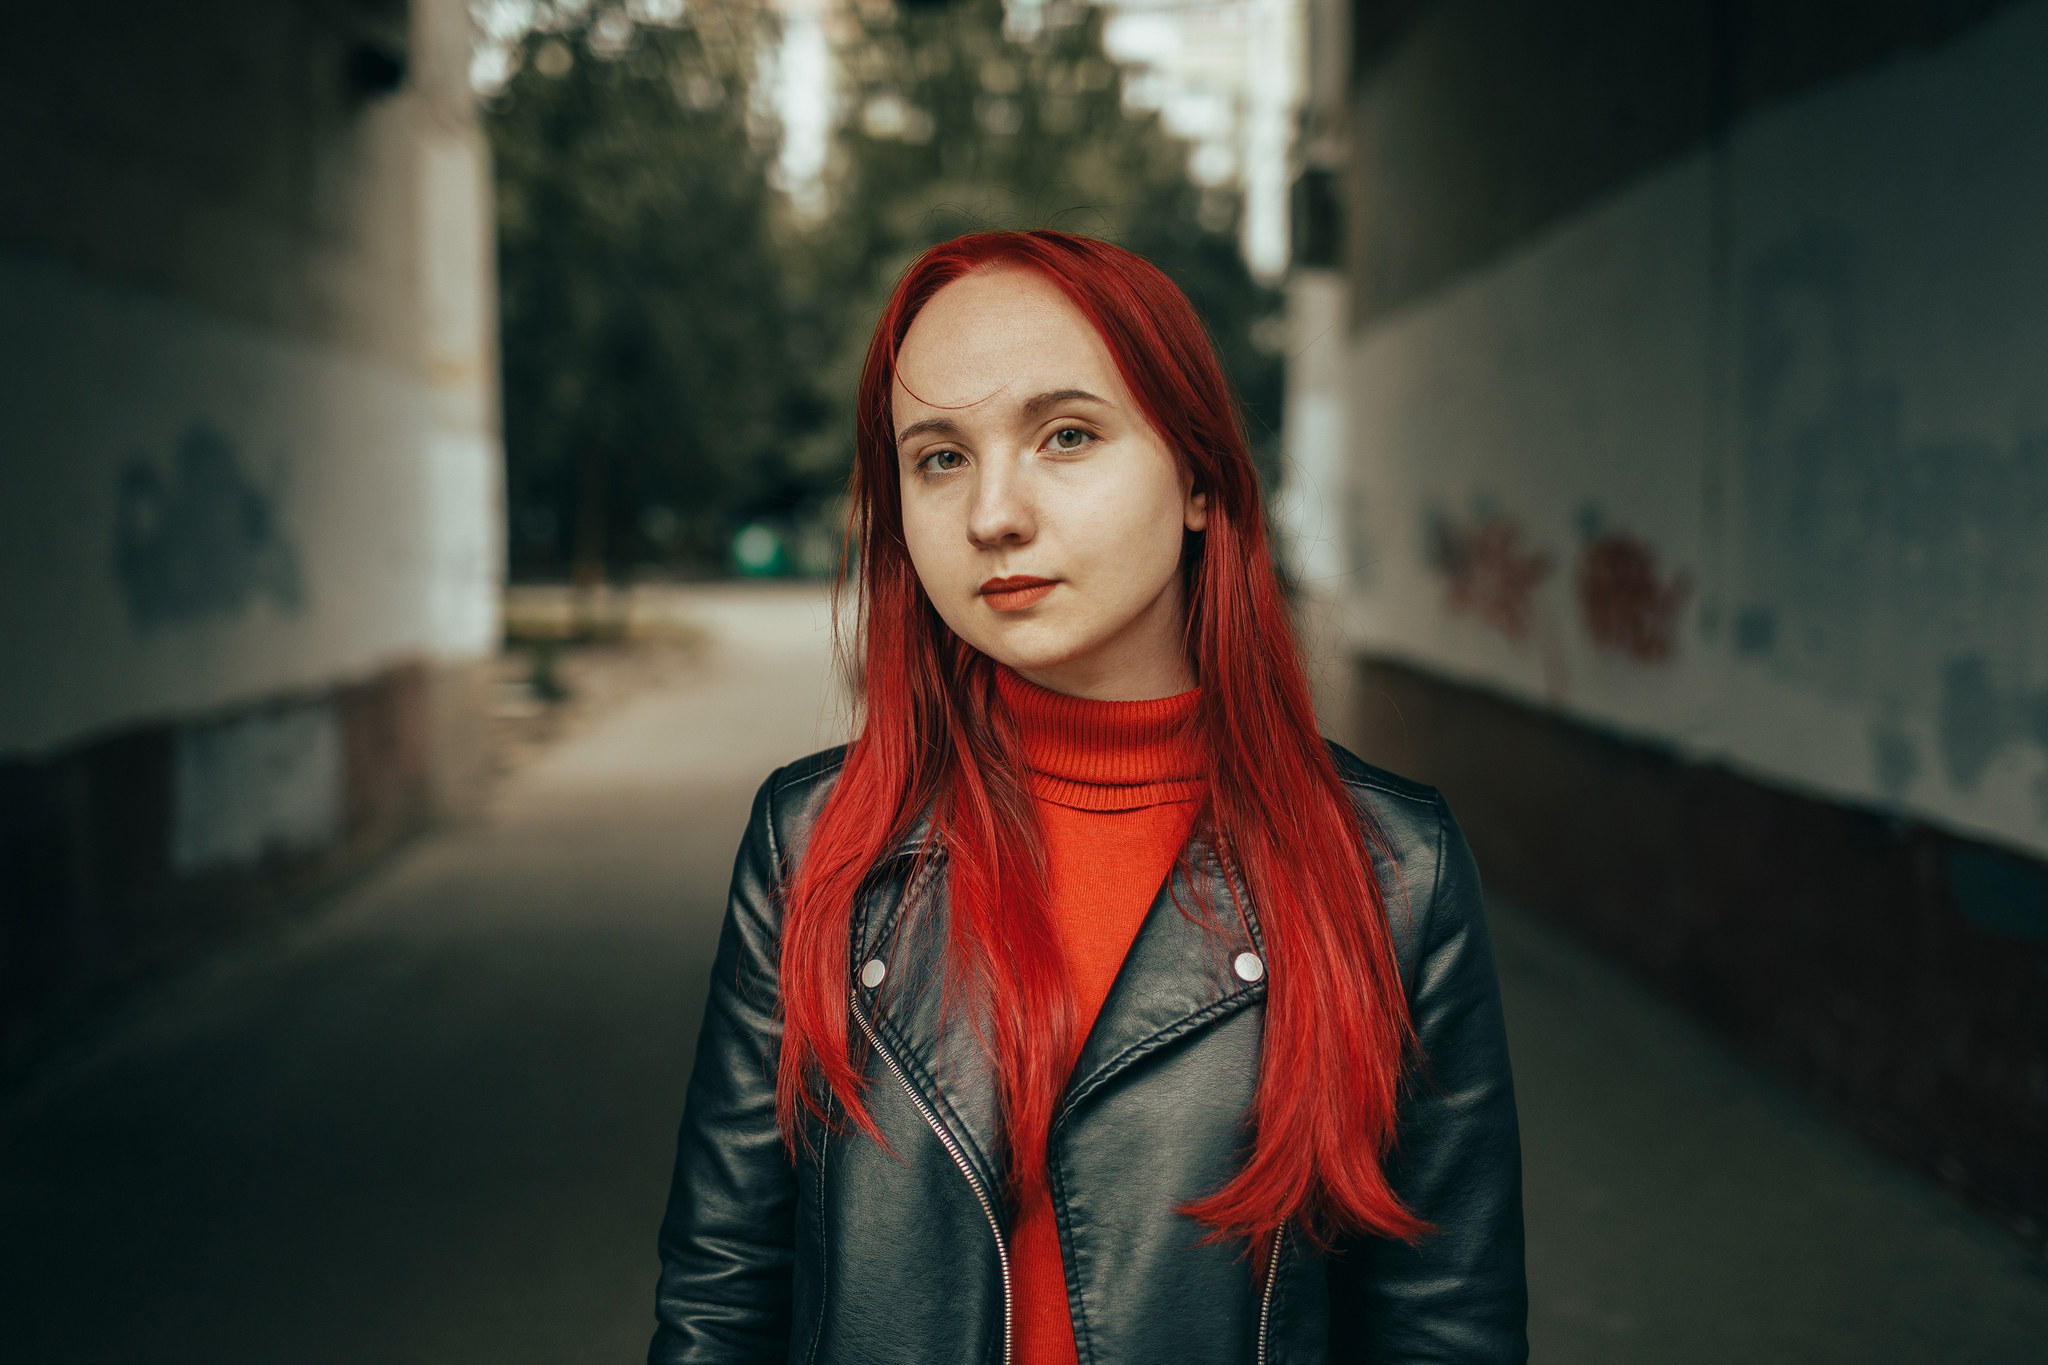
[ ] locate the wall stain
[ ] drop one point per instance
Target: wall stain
(1488, 572)
(1973, 719)
(204, 541)
(1756, 630)
(1623, 603)
(1894, 757)
(1876, 567)
(1979, 716)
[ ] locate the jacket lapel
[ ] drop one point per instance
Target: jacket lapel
(1178, 976)
(935, 1038)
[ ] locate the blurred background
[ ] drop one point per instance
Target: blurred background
(430, 420)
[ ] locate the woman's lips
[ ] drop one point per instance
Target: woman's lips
(1015, 594)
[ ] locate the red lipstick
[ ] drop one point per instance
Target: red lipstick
(1015, 594)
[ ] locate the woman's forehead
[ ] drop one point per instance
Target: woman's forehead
(1000, 332)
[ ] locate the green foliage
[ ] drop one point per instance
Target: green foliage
(953, 128)
(676, 338)
(642, 303)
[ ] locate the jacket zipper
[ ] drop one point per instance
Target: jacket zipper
(974, 1182)
(1266, 1300)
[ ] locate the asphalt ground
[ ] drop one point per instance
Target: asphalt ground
(432, 1121)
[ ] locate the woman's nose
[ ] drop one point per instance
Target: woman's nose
(1000, 513)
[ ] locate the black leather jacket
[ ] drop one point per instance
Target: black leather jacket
(854, 1254)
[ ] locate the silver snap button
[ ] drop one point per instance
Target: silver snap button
(872, 974)
(1248, 967)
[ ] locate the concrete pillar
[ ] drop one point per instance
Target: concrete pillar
(1314, 489)
(249, 512)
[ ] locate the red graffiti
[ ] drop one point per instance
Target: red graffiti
(1489, 573)
(1622, 602)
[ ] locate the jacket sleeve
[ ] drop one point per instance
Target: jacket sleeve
(1460, 1296)
(728, 1239)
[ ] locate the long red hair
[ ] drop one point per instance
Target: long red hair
(934, 739)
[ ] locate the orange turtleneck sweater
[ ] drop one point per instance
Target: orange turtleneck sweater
(1117, 785)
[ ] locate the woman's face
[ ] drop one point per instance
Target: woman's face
(1043, 513)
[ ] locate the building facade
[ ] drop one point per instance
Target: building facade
(1670, 480)
(249, 513)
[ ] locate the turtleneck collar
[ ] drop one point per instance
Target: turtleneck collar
(1107, 755)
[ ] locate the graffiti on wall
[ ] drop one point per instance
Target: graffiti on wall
(1488, 573)
(1882, 568)
(257, 785)
(1979, 716)
(204, 540)
(1625, 605)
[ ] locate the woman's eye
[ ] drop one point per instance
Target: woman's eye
(1070, 438)
(939, 461)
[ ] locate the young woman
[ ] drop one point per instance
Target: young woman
(1089, 1006)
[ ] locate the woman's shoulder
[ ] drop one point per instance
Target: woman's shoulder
(1402, 809)
(1356, 772)
(792, 798)
(817, 770)
(1425, 867)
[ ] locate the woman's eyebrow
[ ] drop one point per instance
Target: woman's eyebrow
(942, 424)
(1035, 407)
(1032, 409)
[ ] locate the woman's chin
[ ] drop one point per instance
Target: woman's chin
(1029, 647)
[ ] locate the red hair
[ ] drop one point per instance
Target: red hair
(934, 738)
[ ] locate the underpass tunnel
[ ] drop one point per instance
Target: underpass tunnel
(1663, 474)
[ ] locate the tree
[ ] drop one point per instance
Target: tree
(681, 348)
(952, 127)
(647, 389)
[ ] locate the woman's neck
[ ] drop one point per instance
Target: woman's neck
(1106, 755)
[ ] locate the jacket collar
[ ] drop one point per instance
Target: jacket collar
(1178, 977)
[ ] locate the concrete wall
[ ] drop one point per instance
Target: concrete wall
(1776, 497)
(1750, 456)
(249, 510)
(1694, 406)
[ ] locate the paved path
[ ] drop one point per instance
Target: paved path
(433, 1123)
(1684, 1209)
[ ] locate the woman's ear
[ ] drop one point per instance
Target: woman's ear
(1195, 512)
